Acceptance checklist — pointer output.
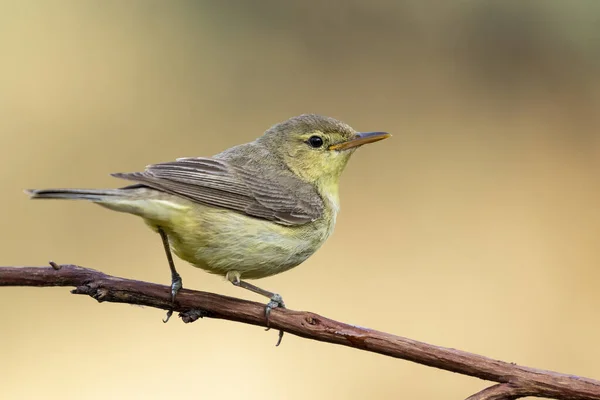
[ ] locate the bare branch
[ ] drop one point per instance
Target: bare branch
(502, 391)
(515, 380)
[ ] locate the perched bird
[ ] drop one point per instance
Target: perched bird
(252, 211)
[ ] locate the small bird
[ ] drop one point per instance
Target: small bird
(252, 211)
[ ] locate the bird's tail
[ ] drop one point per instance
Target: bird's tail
(75, 194)
(144, 202)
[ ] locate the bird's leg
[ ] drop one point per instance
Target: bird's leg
(275, 299)
(176, 282)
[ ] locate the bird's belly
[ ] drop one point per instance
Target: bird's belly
(221, 241)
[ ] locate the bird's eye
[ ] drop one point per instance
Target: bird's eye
(315, 141)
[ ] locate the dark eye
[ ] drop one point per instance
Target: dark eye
(315, 141)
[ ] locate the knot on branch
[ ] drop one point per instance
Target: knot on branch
(94, 290)
(311, 319)
(192, 315)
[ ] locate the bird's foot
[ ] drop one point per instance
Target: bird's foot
(276, 301)
(176, 285)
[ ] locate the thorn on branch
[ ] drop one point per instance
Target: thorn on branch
(81, 290)
(55, 265)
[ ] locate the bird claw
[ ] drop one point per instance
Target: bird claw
(276, 301)
(176, 285)
(168, 317)
(279, 339)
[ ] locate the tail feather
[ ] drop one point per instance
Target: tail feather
(74, 194)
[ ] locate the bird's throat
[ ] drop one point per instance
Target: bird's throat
(329, 191)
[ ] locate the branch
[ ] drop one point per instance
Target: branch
(503, 391)
(515, 381)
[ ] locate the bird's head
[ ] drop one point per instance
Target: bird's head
(316, 148)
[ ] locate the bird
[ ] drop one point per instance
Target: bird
(252, 211)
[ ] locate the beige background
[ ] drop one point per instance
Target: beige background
(477, 226)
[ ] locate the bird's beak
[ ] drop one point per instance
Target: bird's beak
(360, 139)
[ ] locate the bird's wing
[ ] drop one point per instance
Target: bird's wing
(218, 183)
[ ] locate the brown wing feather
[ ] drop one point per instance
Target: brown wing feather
(218, 183)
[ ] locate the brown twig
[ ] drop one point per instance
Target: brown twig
(503, 391)
(515, 381)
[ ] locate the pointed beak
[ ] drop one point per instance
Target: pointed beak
(360, 139)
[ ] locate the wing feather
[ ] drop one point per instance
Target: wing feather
(252, 191)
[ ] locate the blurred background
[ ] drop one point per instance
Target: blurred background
(478, 222)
